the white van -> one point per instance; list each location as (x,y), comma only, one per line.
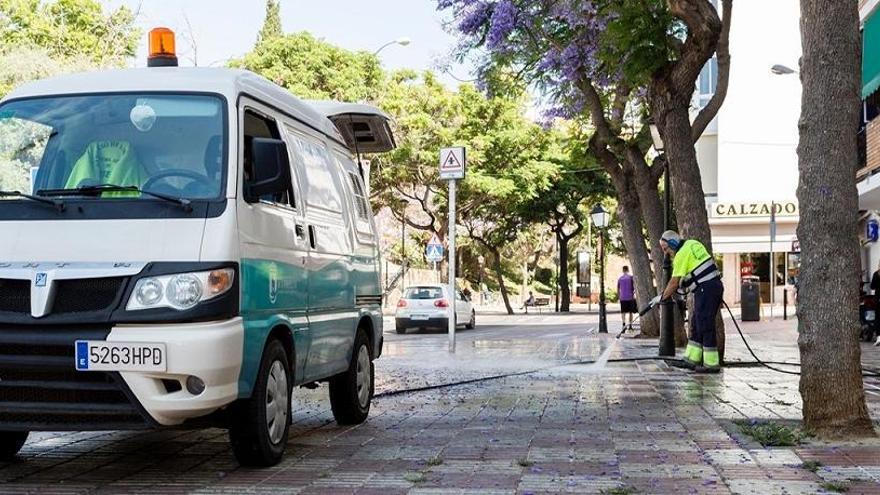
(182,246)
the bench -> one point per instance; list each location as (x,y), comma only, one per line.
(540,303)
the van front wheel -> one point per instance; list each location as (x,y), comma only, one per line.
(10,443)
(351,392)
(260,425)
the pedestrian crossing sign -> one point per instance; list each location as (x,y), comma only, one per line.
(452,161)
(434,249)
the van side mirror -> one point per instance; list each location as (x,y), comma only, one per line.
(271,169)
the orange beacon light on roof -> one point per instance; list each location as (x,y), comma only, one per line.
(162,50)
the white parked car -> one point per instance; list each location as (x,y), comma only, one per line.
(427,306)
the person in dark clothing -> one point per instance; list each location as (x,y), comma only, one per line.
(627,295)
(875,286)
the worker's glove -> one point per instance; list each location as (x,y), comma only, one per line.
(651,304)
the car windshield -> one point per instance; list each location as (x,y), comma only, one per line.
(423,293)
(161,143)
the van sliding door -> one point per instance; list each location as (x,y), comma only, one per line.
(331,312)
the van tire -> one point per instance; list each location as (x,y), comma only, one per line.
(256,439)
(351,392)
(400,330)
(10,443)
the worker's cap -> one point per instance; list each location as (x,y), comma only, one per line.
(671,238)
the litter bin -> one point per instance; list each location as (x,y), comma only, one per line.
(750,299)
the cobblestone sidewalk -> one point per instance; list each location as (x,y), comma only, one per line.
(616,427)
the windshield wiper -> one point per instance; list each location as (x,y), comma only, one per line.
(102,188)
(58,205)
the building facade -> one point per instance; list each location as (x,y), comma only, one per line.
(867,178)
(748,155)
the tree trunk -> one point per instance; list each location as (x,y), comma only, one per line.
(565,290)
(652,209)
(831,381)
(687,187)
(687,184)
(496,265)
(628,211)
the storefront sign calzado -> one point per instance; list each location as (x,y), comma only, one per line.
(739,210)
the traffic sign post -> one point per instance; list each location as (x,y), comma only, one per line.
(452,163)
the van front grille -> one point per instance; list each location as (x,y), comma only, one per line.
(15,296)
(85,294)
(40,388)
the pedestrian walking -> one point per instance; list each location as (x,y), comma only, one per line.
(694,271)
(626,293)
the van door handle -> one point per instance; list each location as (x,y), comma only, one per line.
(312,238)
(300,232)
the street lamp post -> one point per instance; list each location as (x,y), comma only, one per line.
(667,317)
(556,260)
(399,41)
(599,218)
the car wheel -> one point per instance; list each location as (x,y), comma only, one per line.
(400,330)
(261,424)
(473,323)
(10,443)
(351,392)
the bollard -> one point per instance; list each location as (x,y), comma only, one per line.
(784,304)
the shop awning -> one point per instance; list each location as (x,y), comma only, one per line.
(871,55)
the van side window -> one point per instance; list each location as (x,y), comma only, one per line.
(318,178)
(259,126)
(360,199)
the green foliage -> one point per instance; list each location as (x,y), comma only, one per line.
(610,294)
(770,434)
(272,24)
(641,34)
(544,276)
(70,29)
(435,461)
(313,69)
(812,466)
(415,477)
(620,490)
(22,143)
(524,463)
(30,63)
(834,486)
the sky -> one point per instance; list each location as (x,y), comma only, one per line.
(225,29)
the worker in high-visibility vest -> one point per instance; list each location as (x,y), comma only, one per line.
(694,271)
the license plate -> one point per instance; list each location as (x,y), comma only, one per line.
(870,315)
(418,317)
(99,355)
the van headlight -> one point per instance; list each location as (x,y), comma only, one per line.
(180,291)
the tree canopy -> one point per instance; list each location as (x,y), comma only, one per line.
(314,69)
(70,29)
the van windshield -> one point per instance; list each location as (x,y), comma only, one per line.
(161,143)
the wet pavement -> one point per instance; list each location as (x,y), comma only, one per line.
(570,419)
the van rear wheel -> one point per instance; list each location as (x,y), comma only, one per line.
(10,443)
(260,425)
(351,392)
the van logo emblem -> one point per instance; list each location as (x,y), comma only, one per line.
(40,279)
(273,283)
